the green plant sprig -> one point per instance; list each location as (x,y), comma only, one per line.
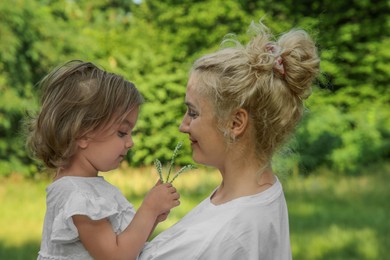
(159,167)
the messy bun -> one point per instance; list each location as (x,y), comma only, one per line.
(292,58)
(300,61)
(270,79)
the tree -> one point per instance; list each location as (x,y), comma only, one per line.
(153,43)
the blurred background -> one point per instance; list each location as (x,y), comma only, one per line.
(335,169)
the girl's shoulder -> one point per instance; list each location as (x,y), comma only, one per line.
(68,184)
(75,181)
(93,197)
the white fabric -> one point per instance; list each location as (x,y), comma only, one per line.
(251,227)
(69,196)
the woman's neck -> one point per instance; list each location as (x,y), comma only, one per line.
(242,179)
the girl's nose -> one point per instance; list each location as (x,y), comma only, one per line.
(129,142)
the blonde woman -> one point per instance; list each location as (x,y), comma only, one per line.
(243,102)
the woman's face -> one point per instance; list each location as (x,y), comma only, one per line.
(207,141)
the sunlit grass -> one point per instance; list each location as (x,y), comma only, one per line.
(331,217)
(343,217)
(22,210)
(337,242)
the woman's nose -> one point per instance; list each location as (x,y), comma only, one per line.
(184,126)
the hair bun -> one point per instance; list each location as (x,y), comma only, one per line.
(300,61)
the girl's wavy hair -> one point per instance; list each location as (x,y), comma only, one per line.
(77,98)
(247,77)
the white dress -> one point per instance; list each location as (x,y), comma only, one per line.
(251,227)
(90,196)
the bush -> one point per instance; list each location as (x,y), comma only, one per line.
(344,140)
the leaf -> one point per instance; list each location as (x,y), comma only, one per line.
(158,165)
(182,170)
(174,155)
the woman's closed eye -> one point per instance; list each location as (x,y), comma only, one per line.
(191,113)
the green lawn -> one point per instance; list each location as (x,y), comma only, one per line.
(340,218)
(330,217)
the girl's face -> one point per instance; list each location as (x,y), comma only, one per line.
(104,150)
(207,141)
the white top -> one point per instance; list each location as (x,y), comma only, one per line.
(90,196)
(250,227)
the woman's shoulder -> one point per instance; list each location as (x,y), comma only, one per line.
(266,206)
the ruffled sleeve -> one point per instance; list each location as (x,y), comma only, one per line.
(119,213)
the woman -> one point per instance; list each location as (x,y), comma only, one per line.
(243,103)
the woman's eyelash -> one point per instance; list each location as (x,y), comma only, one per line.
(192,113)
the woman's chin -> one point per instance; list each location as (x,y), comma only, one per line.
(199,159)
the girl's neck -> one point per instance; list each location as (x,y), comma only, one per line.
(75,171)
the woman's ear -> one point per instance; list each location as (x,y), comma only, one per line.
(239,122)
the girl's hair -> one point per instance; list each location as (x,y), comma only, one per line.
(269,79)
(77,98)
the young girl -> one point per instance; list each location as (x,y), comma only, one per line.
(85,126)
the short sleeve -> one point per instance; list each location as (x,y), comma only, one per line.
(94,207)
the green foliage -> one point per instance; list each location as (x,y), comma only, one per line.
(175,38)
(344,139)
(153,44)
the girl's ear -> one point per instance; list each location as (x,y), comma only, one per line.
(83,142)
(239,122)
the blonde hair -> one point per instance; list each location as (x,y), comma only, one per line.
(247,77)
(77,98)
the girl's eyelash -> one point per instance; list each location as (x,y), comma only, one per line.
(121,134)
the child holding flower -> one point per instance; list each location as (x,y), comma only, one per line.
(85,127)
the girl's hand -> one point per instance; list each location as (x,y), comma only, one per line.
(161,199)
(162,217)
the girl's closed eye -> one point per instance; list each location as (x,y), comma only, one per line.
(122,134)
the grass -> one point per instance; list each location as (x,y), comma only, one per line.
(340,217)
(331,217)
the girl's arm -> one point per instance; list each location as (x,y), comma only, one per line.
(100,240)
